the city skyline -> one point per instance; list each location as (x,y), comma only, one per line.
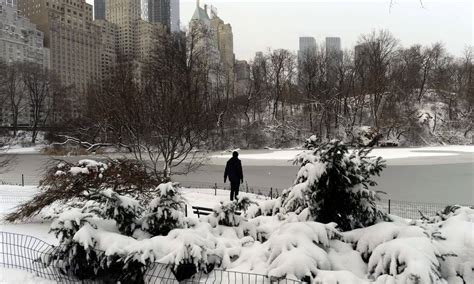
(406,19)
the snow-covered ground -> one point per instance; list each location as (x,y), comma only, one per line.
(22,150)
(16,276)
(12,196)
(386,153)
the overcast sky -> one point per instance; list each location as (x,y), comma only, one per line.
(262,24)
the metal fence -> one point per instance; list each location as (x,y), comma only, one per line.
(412,209)
(20,179)
(27,252)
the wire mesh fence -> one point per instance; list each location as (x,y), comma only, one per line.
(412,209)
(20,179)
(27,253)
(30,254)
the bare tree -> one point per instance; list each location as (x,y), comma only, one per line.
(15,93)
(379,48)
(162,114)
(40,85)
(282,66)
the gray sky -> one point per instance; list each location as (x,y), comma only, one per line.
(262,24)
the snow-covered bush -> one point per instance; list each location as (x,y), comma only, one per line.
(298,250)
(192,253)
(124,210)
(227,213)
(367,239)
(83,260)
(64,181)
(335,185)
(166,212)
(66,225)
(411,260)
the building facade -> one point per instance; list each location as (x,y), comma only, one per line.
(74,41)
(164,12)
(108,53)
(225,40)
(125,14)
(99,9)
(135,33)
(159,11)
(20,40)
(334,57)
(307,43)
(333,44)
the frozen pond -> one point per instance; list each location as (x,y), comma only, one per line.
(436,174)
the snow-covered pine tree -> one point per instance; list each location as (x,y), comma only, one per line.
(166,212)
(123,209)
(334,184)
(80,258)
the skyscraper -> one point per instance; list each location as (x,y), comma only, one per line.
(135,31)
(108,52)
(99,9)
(333,45)
(74,41)
(126,14)
(159,11)
(334,57)
(307,45)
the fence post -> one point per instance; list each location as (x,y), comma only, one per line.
(215,189)
(389,206)
(22,180)
(186,210)
(271,192)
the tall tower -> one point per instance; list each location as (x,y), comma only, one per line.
(334,57)
(307,44)
(99,9)
(159,11)
(333,45)
(125,14)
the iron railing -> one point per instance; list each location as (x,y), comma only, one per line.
(28,253)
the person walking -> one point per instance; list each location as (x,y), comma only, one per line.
(233,171)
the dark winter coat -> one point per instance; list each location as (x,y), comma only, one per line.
(233,171)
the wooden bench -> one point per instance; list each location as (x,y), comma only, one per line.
(205,211)
(202,211)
